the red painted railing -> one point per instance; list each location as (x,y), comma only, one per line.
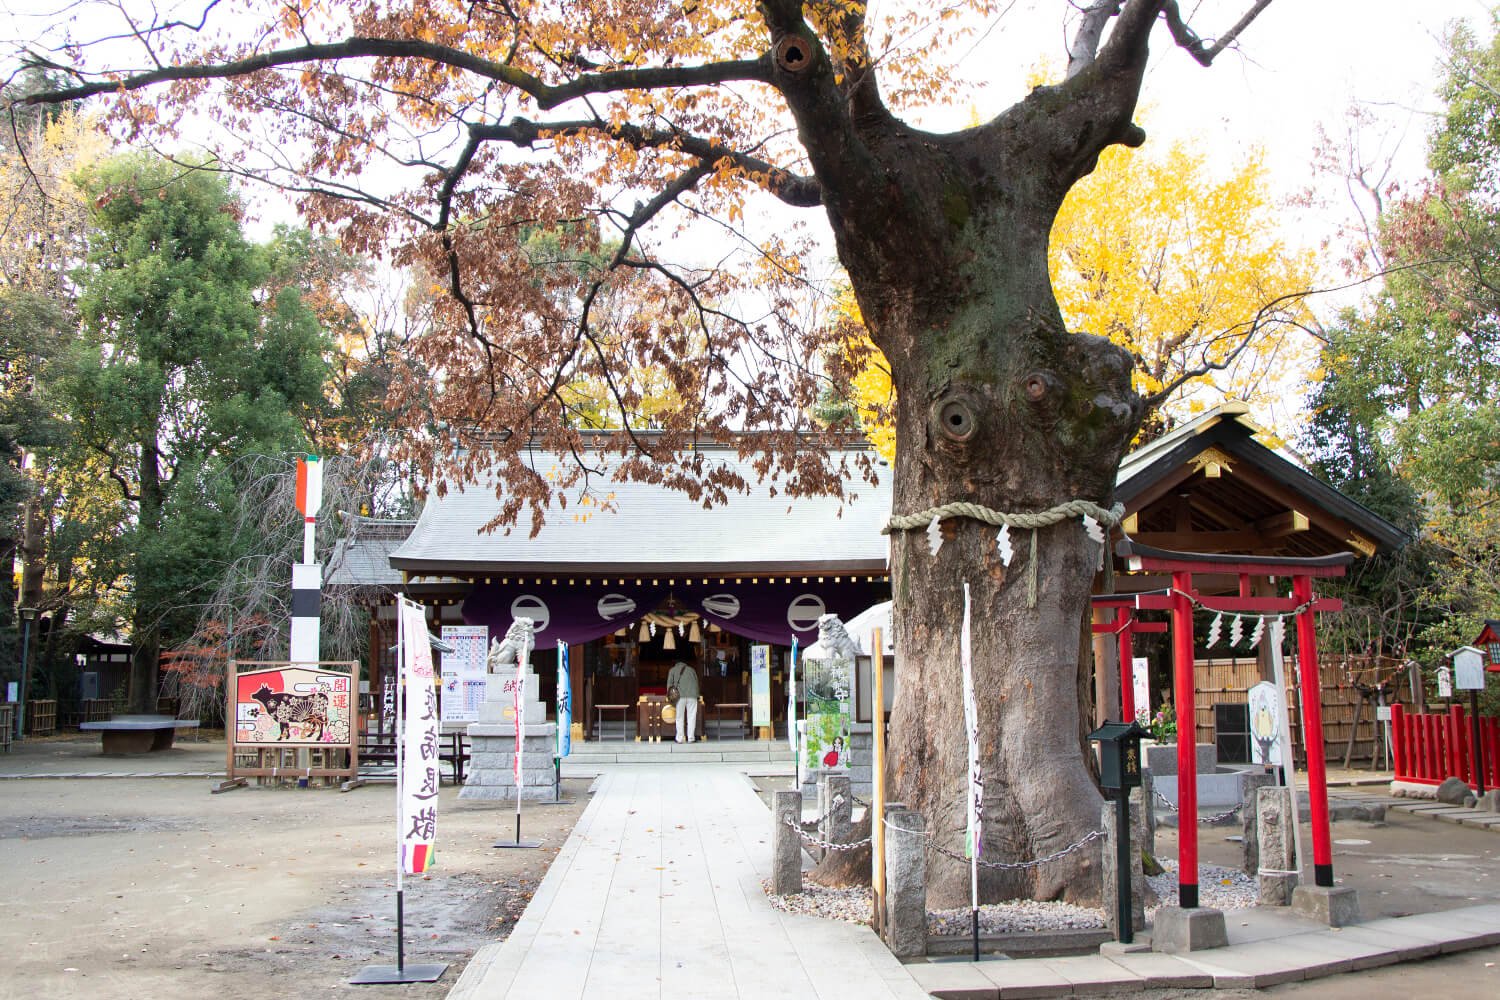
(1430,748)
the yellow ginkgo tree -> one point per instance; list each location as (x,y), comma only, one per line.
(1186,271)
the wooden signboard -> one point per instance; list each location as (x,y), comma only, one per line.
(303,707)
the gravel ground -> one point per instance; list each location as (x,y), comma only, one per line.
(1222,888)
(851,905)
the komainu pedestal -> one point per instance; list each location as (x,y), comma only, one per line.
(492,747)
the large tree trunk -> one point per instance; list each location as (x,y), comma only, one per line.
(1000,406)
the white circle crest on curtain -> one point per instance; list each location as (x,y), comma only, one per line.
(533,607)
(612,606)
(804,611)
(724,606)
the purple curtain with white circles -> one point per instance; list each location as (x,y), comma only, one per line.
(588,609)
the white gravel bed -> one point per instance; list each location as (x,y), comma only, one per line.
(853,906)
(1016,916)
(1219,888)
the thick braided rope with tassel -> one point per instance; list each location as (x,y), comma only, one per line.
(1031,519)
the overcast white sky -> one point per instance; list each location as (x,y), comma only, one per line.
(1302,64)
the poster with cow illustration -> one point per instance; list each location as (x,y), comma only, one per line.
(293,706)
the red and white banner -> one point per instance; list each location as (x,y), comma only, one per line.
(518,704)
(417,767)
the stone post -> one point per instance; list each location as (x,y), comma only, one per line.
(1275,842)
(905,883)
(786,843)
(835,809)
(1109,902)
(1253,781)
(1148,811)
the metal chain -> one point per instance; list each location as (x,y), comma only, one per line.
(1202,820)
(1004,865)
(825,844)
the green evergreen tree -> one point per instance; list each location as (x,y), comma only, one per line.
(182,366)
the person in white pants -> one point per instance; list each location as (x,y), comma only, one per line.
(685,679)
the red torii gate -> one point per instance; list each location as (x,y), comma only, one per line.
(1125,626)
(1180,601)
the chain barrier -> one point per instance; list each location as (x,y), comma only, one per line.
(1202,820)
(827,845)
(1003,865)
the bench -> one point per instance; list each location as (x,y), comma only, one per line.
(379,748)
(135,734)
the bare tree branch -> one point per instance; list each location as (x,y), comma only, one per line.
(546,95)
(1197,47)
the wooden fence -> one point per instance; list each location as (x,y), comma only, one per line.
(41,717)
(1221,682)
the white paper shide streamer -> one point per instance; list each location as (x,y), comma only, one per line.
(975,838)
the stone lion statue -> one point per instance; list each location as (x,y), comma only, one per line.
(835,639)
(514,649)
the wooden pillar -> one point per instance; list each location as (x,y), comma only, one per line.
(1261,586)
(1106,676)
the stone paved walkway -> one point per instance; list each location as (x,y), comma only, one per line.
(658,894)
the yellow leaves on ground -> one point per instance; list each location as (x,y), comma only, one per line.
(1177,266)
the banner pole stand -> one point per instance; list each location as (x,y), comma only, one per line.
(519,707)
(428,972)
(557,799)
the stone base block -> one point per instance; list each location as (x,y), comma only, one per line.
(1276,890)
(498,793)
(1177,930)
(1337,906)
(491,774)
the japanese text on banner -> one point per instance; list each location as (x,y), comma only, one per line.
(419,746)
(564,703)
(975,844)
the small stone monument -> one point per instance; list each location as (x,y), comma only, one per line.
(1274,838)
(493,738)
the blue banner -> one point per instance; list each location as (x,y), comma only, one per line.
(564,703)
(791,700)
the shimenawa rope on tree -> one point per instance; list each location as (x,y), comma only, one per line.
(1030,519)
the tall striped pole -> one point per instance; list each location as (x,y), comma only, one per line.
(307,576)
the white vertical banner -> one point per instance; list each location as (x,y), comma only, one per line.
(975,839)
(417,765)
(1140,673)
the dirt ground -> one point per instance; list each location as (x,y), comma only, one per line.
(152,887)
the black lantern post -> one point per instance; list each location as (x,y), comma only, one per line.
(1120,770)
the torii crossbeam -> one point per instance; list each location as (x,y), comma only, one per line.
(1180,601)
